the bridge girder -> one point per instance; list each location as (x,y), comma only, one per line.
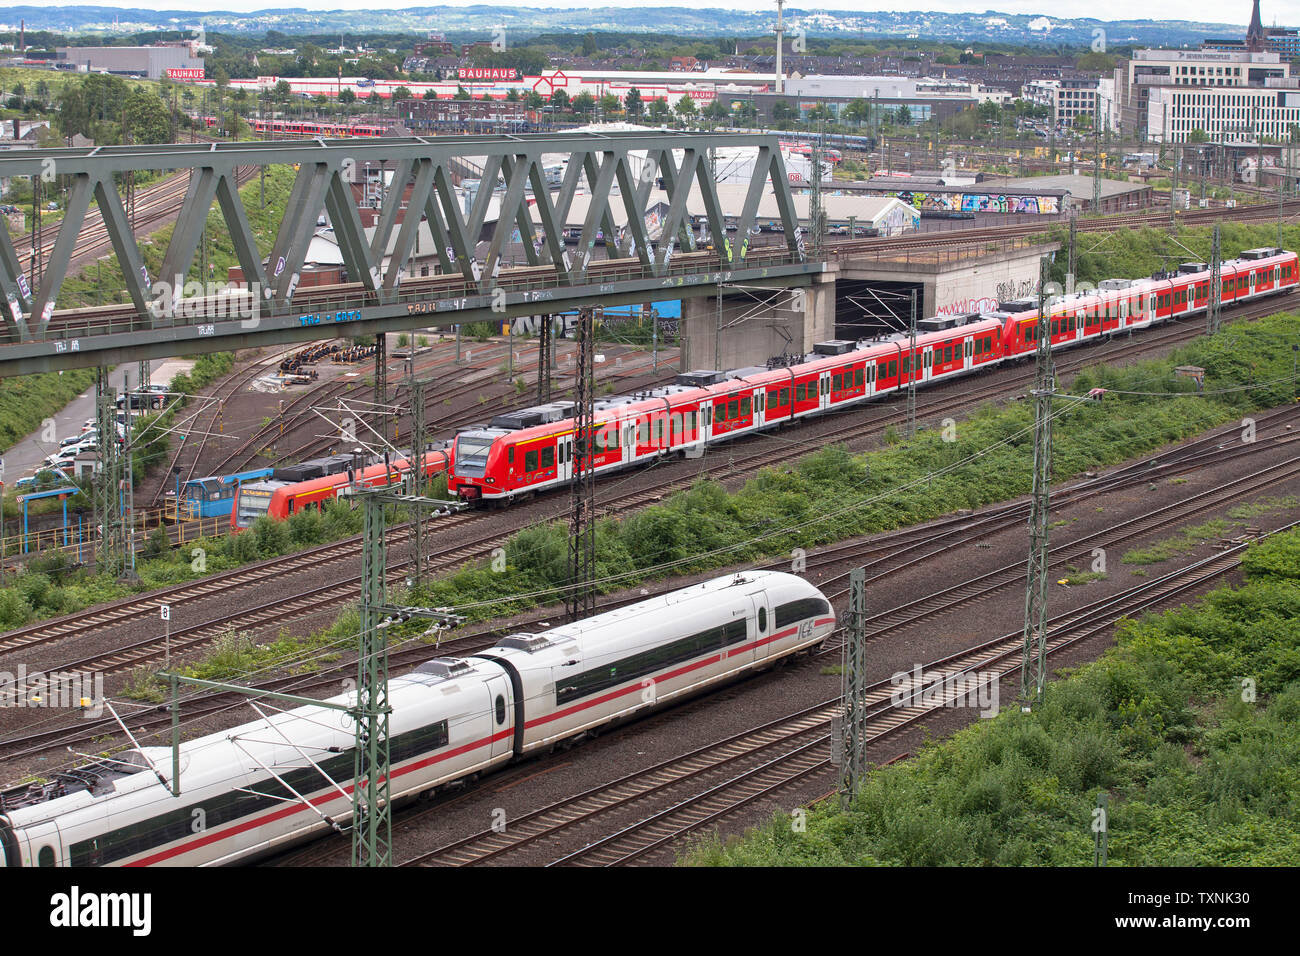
(618,168)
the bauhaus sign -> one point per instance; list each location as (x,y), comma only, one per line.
(179,73)
(487,73)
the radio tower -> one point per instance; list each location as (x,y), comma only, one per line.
(780,42)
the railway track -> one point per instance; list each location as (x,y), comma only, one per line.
(342,590)
(883,555)
(761,763)
(154,207)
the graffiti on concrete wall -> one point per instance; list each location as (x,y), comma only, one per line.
(979,202)
(1012,289)
(982,303)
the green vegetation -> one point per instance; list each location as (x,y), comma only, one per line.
(27,400)
(1187,540)
(1263,506)
(1138,252)
(1191,724)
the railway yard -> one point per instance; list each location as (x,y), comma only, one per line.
(563,545)
(944,594)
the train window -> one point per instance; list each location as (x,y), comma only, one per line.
(785,396)
(510,454)
(501,709)
(548,457)
(657,430)
(988,343)
(45,857)
(800,393)
(643,433)
(893,367)
(857,377)
(979,346)
(947,354)
(812,391)
(795,611)
(733,410)
(907,364)
(762,619)
(744,407)
(837,383)
(530,461)
(690,422)
(720,412)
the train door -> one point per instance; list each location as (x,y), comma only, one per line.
(824,391)
(969,353)
(761,626)
(927,364)
(501,709)
(45,846)
(564,457)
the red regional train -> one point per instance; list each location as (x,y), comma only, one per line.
(281,495)
(532,449)
(292,127)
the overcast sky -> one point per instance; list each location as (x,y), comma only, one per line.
(1283,12)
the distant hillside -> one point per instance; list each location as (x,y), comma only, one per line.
(1034,29)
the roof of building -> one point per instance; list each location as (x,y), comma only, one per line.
(1075,185)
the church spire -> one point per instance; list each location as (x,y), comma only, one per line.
(1255,32)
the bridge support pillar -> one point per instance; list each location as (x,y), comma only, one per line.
(755,325)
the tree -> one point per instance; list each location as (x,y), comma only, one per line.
(589,45)
(462,93)
(584,103)
(1095,62)
(1199,135)
(717,110)
(685,107)
(903,116)
(560,100)
(430,94)
(609,104)
(632,103)
(857,111)
(282,92)
(658,111)
(347,97)
(147,120)
(402,93)
(534,100)
(783,111)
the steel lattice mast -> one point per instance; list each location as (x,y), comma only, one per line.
(372,822)
(108,482)
(582,529)
(544,360)
(910,365)
(853,723)
(1033,671)
(1216,284)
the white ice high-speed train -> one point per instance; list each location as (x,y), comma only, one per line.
(265,784)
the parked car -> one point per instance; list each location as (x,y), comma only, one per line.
(44,478)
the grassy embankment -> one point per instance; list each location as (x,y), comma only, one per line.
(1190,724)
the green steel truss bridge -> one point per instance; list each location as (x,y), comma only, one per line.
(617,171)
